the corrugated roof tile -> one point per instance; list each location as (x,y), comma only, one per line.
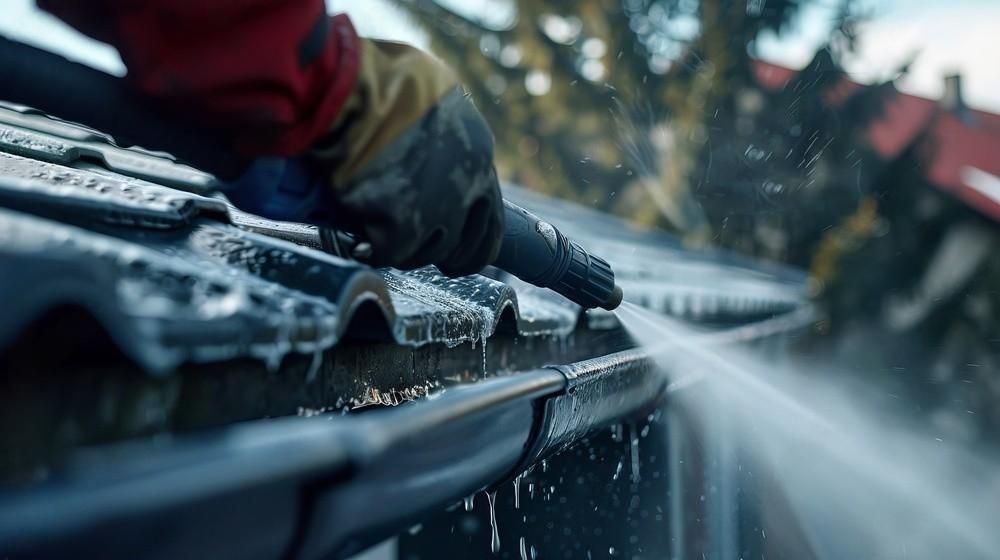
(178,277)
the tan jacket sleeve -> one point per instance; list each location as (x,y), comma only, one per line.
(397,84)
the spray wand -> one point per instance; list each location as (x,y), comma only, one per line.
(532,250)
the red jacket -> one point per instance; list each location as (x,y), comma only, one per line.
(272,73)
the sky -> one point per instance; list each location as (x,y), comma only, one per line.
(947,36)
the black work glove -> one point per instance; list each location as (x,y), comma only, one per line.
(410,161)
(431,196)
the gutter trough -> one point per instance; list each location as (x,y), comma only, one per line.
(325,486)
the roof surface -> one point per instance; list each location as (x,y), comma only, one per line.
(176,276)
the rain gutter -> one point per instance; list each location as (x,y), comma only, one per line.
(318,487)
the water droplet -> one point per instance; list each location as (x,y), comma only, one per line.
(517,492)
(491,497)
(524,552)
(634,448)
(470,502)
(484,356)
(616,433)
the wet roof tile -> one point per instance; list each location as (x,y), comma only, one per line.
(32,134)
(37,185)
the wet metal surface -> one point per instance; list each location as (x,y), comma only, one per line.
(190,286)
(182,280)
(237,325)
(165,309)
(204,492)
(45,187)
(213,292)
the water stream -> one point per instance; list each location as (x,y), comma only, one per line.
(863,481)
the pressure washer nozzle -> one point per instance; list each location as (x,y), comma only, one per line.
(614,300)
(538,253)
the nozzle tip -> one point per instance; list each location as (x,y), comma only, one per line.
(614,299)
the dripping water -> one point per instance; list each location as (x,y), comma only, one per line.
(494,533)
(517,491)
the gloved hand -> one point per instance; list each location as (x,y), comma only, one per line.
(411,165)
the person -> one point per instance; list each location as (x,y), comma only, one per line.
(405,156)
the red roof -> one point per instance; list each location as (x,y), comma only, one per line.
(956,144)
(771,76)
(903,118)
(958,147)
